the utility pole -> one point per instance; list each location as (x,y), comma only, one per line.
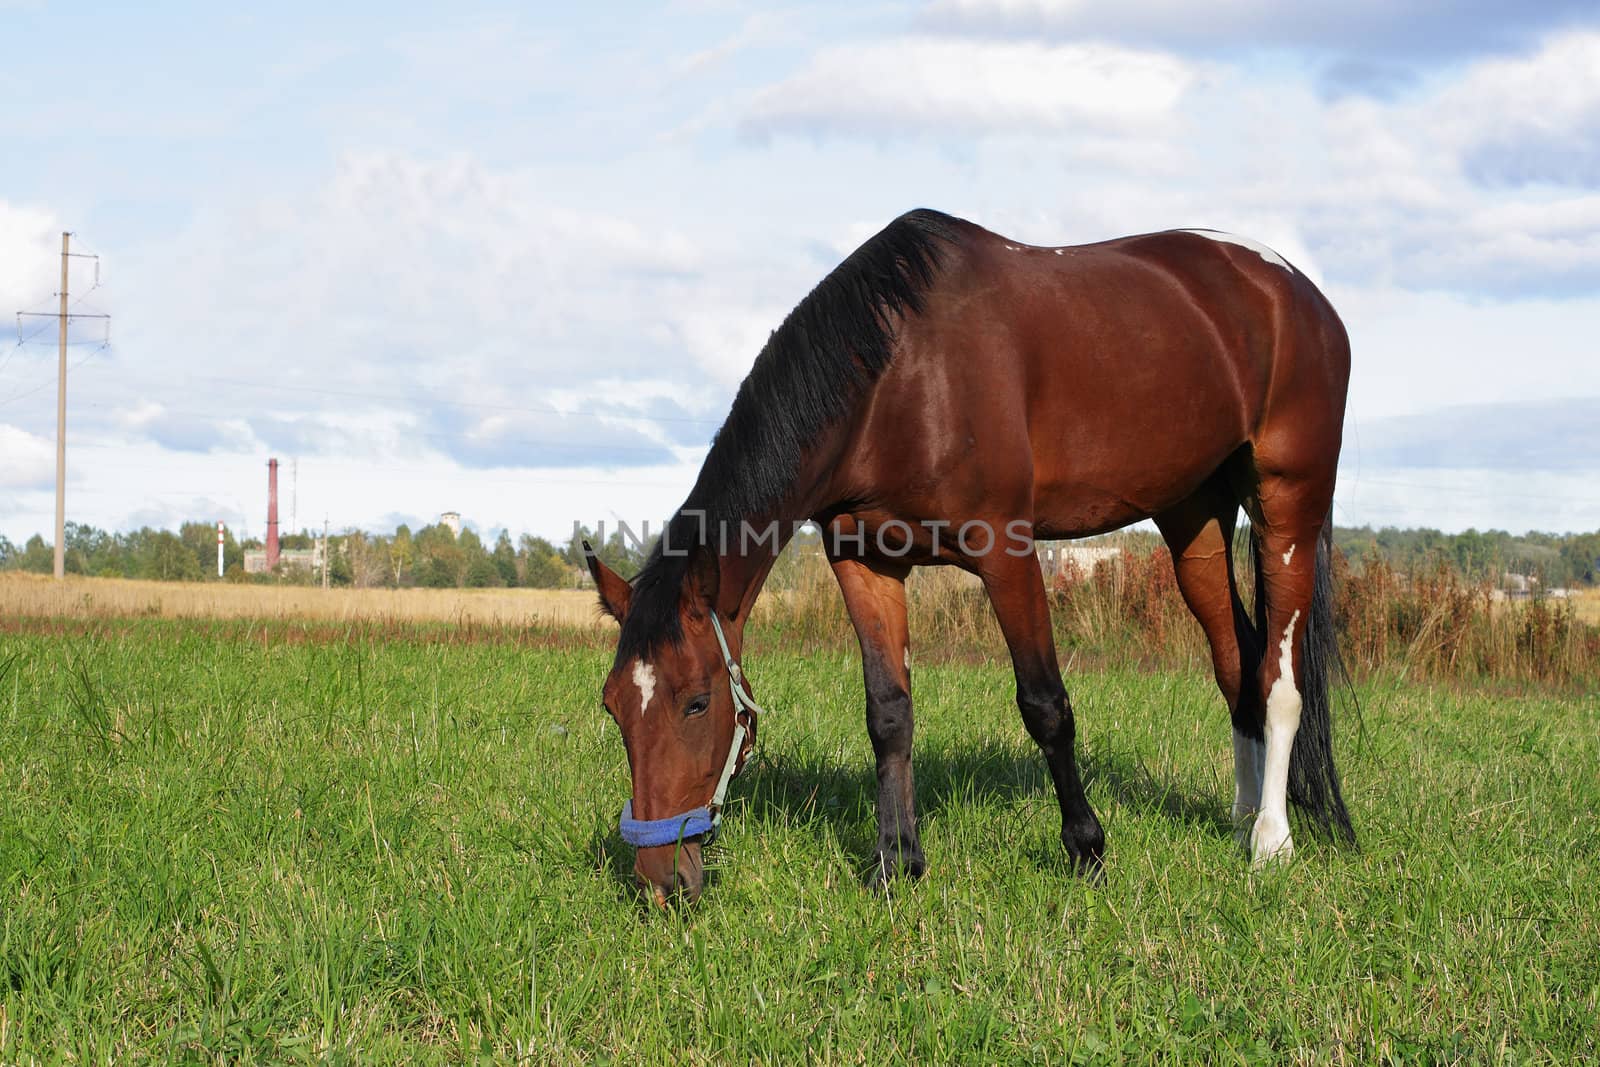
(61,420)
(64,316)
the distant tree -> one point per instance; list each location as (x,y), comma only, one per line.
(505,559)
(8,552)
(483,574)
(92,551)
(367,559)
(37,556)
(161,555)
(401,554)
(341,571)
(1581,552)
(441,560)
(201,537)
(542,566)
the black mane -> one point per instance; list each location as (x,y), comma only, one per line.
(810,374)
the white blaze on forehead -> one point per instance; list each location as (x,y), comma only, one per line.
(644,676)
(1287,556)
(1244,242)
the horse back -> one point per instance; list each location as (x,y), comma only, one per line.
(1090,386)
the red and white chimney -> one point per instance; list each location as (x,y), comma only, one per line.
(219,548)
(272,514)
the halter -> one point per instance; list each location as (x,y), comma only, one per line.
(646,833)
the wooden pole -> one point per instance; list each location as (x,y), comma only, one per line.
(61,421)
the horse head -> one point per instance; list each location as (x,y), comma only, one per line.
(676,692)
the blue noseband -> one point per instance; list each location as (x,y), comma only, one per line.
(648,833)
(652,833)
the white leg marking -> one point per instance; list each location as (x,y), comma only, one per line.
(1287,556)
(1244,242)
(1269,838)
(644,676)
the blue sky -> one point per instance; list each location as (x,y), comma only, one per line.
(514,260)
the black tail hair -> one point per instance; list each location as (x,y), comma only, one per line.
(1313,778)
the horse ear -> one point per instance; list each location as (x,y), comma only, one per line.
(615,593)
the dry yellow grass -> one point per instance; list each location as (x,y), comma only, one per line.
(33,595)
(1587,606)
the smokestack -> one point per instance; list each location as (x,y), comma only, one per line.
(272,514)
(219,548)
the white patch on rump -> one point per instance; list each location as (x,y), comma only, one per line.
(1287,556)
(644,676)
(1243,242)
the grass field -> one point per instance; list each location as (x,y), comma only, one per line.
(258,843)
(91,598)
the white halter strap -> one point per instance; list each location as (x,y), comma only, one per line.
(743,707)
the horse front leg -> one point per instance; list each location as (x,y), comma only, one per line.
(1016,590)
(875,596)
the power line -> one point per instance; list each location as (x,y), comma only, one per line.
(46,384)
(55,316)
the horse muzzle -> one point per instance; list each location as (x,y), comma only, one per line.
(668,872)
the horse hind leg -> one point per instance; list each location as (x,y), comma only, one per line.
(1199,533)
(1292,515)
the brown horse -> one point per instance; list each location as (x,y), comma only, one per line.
(945,396)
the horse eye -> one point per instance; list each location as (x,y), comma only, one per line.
(697,706)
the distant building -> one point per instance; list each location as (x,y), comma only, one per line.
(1083,559)
(452,519)
(255,559)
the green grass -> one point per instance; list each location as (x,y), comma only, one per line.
(224,843)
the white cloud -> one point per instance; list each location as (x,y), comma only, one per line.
(30,261)
(1529,119)
(921,84)
(1398,190)
(26,460)
(428,289)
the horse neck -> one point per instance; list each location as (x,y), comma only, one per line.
(743,564)
(743,569)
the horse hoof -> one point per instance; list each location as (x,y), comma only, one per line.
(1270,841)
(897,863)
(1086,846)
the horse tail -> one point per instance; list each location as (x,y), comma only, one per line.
(1313,778)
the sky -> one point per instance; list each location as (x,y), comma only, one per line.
(514,260)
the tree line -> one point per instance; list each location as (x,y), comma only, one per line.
(1556,560)
(436,557)
(430,557)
